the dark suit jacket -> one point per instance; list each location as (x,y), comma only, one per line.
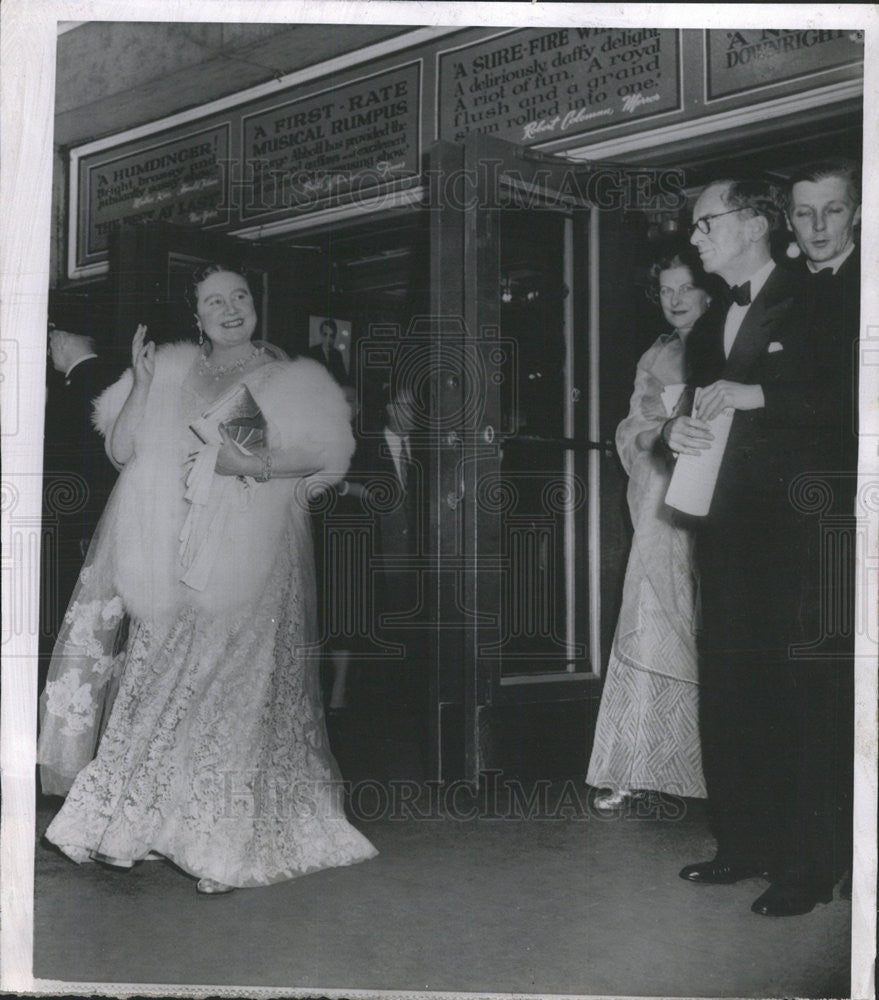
(841,292)
(833,307)
(72,445)
(77,480)
(394,515)
(773,349)
(396,510)
(334,364)
(758,587)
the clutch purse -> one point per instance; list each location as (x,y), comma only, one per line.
(241,417)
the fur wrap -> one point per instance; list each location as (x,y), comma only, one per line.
(139,534)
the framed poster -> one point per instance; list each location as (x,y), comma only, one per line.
(533,87)
(745,59)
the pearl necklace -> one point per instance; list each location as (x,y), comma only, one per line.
(218,371)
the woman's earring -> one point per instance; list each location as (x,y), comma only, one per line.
(200,336)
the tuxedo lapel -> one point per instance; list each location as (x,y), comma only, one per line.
(703,351)
(772,302)
(81,375)
(850,268)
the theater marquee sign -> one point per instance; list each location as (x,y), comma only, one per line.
(337,134)
(532,86)
(254,162)
(340,141)
(180,181)
(745,60)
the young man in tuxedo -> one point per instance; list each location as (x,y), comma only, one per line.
(824,211)
(752,352)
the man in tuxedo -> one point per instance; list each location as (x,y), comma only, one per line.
(824,211)
(328,354)
(388,479)
(77,475)
(385,474)
(399,526)
(753,353)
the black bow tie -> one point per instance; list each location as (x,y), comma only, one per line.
(741,294)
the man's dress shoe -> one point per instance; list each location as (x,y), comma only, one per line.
(789,901)
(720,872)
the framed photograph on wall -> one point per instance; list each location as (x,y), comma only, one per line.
(329,333)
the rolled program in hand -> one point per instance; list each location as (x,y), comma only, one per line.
(695,476)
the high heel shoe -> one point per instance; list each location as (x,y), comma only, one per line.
(211,887)
(105,859)
(607,801)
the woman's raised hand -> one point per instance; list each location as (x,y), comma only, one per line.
(143,357)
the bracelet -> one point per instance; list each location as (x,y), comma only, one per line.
(266,473)
(664,439)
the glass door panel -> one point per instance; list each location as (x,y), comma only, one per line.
(515,506)
(542,471)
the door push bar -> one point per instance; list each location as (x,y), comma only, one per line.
(490,436)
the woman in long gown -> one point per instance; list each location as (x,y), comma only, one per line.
(646,734)
(214,753)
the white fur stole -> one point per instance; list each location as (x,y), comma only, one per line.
(301,403)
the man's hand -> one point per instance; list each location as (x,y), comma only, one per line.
(687,435)
(721,395)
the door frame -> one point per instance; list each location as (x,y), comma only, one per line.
(465,265)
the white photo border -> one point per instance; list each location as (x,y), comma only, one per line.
(27,79)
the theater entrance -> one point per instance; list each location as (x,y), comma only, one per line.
(487,291)
(484,301)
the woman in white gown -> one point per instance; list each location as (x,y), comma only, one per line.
(214,753)
(647,731)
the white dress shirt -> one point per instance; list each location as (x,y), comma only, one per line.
(736,315)
(398,446)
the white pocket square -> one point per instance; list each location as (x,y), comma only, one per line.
(774,346)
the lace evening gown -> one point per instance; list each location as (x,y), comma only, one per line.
(215,754)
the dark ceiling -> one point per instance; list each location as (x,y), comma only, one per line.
(114,75)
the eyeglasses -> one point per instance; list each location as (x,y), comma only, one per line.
(703,224)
